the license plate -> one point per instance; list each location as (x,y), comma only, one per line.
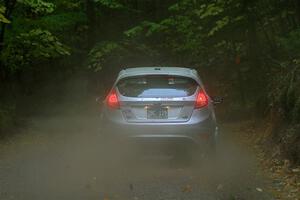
(157,113)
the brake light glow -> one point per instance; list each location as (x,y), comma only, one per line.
(201,100)
(112,100)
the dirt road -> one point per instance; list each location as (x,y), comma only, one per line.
(62,155)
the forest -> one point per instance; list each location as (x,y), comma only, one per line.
(247,51)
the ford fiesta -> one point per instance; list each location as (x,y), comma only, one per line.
(161,105)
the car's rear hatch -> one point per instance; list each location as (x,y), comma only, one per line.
(157,98)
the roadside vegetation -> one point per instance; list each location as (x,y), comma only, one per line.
(247,51)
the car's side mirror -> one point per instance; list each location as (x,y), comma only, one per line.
(217,100)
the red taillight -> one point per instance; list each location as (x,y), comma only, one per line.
(112,100)
(201,100)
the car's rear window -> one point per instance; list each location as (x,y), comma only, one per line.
(157,86)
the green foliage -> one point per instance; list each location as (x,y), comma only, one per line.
(3,19)
(61,21)
(108,52)
(102,52)
(134,32)
(36,45)
(212,9)
(145,28)
(195,28)
(219,25)
(38,7)
(29,39)
(291,42)
(114,4)
(69,5)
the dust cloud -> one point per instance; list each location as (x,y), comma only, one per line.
(66,154)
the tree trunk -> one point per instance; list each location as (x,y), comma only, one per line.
(9,5)
(91,15)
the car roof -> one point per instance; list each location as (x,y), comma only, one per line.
(179,71)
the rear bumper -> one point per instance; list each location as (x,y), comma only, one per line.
(193,133)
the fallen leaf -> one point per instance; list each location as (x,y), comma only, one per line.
(187,188)
(106,198)
(296,170)
(294,190)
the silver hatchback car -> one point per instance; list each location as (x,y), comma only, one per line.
(161,105)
